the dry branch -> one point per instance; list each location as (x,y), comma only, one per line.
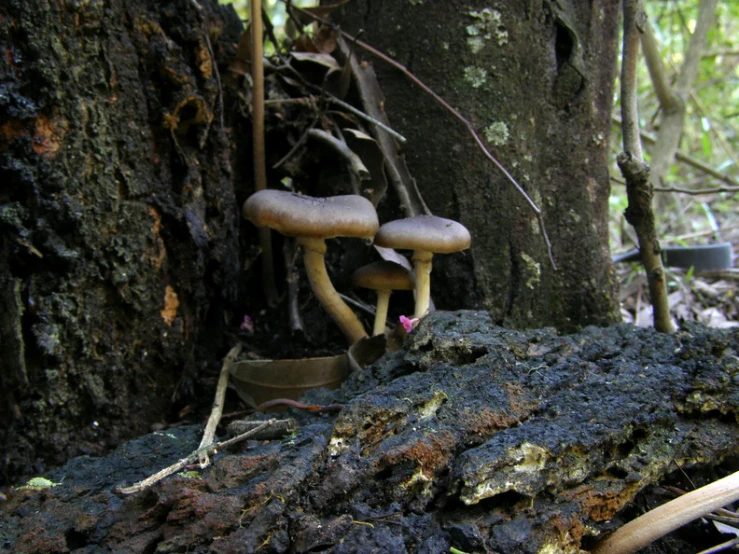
(636,173)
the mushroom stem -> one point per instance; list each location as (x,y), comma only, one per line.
(315,268)
(383,300)
(422,267)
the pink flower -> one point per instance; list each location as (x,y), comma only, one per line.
(408,324)
(247,324)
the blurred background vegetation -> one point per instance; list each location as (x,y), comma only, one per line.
(709,133)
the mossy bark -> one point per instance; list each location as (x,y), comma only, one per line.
(535,79)
(118,218)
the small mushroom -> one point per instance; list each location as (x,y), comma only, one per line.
(311,221)
(383,277)
(426,235)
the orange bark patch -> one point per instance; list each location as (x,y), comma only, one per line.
(431,452)
(10,131)
(171,303)
(483,422)
(158,261)
(570,531)
(519,400)
(47,138)
(600,505)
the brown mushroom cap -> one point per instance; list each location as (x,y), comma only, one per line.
(383,275)
(424,232)
(296,215)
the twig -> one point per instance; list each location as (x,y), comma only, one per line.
(454,112)
(695,192)
(302,140)
(190,459)
(728,545)
(278,430)
(689,160)
(348,107)
(355,163)
(260,169)
(287,402)
(217,410)
(658,522)
(636,173)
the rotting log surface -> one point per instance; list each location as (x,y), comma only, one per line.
(473,436)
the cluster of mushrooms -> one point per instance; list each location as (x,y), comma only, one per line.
(313,220)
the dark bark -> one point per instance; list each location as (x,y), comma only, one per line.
(119,247)
(472,436)
(538,76)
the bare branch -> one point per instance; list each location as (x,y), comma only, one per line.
(636,173)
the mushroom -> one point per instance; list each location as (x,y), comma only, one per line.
(383,277)
(311,221)
(426,235)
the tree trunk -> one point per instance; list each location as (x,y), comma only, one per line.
(535,79)
(119,245)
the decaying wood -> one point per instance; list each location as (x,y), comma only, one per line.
(471,437)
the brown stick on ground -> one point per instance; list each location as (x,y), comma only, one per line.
(636,173)
(217,411)
(192,458)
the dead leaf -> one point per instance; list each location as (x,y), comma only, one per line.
(366,351)
(241,64)
(369,152)
(392,256)
(258,381)
(323,59)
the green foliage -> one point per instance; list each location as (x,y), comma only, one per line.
(710,133)
(275,10)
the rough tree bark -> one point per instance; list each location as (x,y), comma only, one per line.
(119,222)
(535,79)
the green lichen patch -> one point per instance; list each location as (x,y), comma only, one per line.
(476,76)
(497,133)
(533,271)
(38,483)
(488,25)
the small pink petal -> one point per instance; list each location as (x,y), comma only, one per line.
(408,324)
(247,324)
